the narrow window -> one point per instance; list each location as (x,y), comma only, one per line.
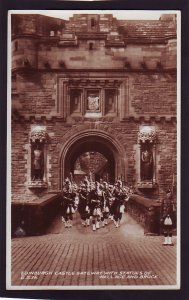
(110,100)
(90,46)
(93,23)
(75,101)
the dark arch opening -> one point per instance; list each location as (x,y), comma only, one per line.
(94,165)
(91,144)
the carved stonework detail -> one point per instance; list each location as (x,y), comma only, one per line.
(93,103)
(38,133)
(147,133)
(37,184)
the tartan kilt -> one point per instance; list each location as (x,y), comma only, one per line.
(96,212)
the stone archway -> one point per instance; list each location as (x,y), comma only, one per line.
(93,140)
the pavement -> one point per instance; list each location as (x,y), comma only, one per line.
(77,257)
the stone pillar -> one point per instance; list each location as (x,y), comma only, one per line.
(139,165)
(154,162)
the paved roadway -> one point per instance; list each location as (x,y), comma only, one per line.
(78,256)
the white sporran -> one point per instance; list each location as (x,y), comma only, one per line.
(72,210)
(122,209)
(107,209)
(168,221)
(98,211)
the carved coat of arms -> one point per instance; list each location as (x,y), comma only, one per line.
(93,103)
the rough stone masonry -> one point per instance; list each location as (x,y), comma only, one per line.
(59,67)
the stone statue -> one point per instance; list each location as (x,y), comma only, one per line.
(146,165)
(38,164)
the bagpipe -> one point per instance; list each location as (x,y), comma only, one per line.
(83,197)
(69,202)
(86,203)
(68,198)
(121,194)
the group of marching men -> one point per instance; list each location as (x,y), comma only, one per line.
(95,201)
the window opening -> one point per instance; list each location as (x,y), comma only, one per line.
(90,46)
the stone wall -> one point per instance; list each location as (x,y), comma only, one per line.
(152,94)
(125,132)
(49,55)
(148,94)
(148,67)
(36,93)
(45,42)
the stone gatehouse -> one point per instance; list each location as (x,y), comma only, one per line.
(93,85)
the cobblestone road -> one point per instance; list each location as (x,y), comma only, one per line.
(80,257)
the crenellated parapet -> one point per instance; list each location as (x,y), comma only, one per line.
(44,43)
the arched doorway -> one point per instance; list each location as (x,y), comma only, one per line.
(93,141)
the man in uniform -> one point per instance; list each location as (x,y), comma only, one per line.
(95,206)
(83,206)
(168,207)
(118,205)
(68,203)
(107,196)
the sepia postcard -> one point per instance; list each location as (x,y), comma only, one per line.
(93,139)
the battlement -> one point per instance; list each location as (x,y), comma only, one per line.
(142,30)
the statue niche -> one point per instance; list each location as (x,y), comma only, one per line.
(38,139)
(147,157)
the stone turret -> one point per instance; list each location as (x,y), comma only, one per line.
(26,33)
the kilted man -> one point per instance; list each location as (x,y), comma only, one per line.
(107,202)
(68,203)
(96,203)
(118,207)
(111,201)
(83,206)
(168,219)
(103,206)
